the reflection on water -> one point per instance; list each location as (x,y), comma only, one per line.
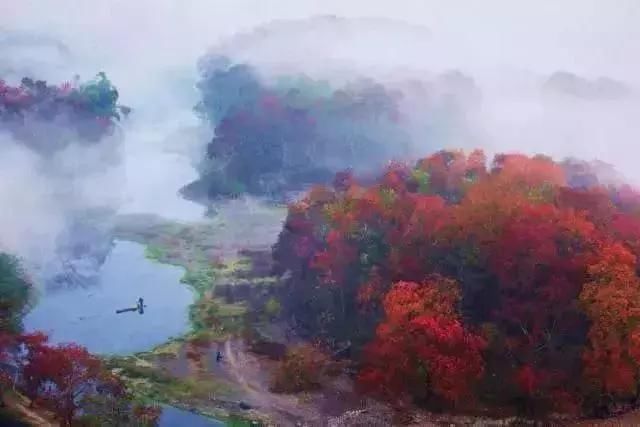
(87,316)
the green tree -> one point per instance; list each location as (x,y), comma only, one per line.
(14,293)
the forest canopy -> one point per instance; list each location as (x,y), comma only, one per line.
(460,284)
(275,134)
(41,115)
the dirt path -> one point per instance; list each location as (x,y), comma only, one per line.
(20,404)
(286,410)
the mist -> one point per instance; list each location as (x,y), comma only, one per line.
(149,49)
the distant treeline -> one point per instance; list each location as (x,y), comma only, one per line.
(281,132)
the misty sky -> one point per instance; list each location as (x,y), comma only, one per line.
(149,49)
(590,37)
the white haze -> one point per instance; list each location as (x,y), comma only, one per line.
(149,49)
(40,196)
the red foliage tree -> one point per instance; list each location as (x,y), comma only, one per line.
(422,348)
(431,254)
(301,369)
(58,377)
(611,299)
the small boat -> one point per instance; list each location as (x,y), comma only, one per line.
(139,307)
(124,310)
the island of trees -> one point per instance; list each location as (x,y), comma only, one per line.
(47,117)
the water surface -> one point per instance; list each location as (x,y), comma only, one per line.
(174,417)
(87,316)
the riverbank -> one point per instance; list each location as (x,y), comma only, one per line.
(184,372)
(236,294)
(79,313)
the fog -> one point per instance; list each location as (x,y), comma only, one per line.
(149,50)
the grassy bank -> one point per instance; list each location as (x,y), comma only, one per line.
(195,247)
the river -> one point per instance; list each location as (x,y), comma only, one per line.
(87,315)
(174,417)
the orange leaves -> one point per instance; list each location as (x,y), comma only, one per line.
(436,296)
(395,177)
(319,195)
(615,265)
(552,269)
(540,236)
(451,171)
(594,202)
(451,355)
(532,171)
(430,356)
(428,215)
(611,299)
(422,343)
(626,228)
(301,370)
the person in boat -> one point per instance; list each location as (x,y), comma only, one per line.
(139,307)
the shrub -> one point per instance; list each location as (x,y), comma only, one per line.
(301,369)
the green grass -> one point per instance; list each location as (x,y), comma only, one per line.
(239,265)
(132,367)
(216,318)
(233,421)
(201,279)
(153,252)
(188,246)
(149,382)
(231,310)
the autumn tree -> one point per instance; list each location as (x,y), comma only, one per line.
(513,284)
(422,348)
(89,110)
(611,299)
(73,384)
(58,376)
(302,369)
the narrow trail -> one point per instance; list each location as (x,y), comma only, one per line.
(20,405)
(287,410)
